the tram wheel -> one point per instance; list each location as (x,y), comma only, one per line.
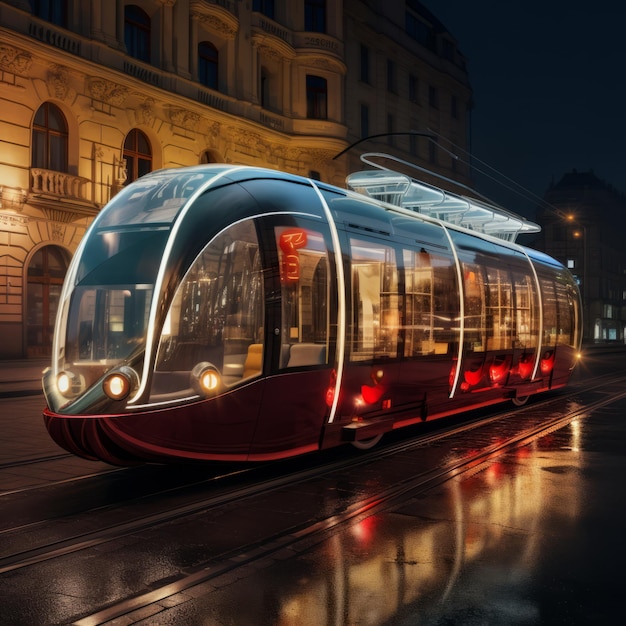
(367,444)
(520,400)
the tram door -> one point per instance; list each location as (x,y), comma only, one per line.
(372,329)
(301,316)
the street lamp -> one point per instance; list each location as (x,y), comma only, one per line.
(581,234)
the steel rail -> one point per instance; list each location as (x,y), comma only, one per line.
(381,501)
(75,543)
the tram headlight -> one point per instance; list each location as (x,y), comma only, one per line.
(205,379)
(69,384)
(118,384)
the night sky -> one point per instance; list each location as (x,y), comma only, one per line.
(549,83)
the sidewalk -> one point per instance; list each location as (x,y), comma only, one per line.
(21,377)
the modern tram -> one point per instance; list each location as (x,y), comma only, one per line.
(222,312)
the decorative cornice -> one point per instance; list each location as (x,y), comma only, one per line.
(324,63)
(215,18)
(267,52)
(272,47)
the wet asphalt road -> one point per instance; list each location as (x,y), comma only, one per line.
(532,537)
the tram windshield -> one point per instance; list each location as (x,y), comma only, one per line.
(107,313)
(109,291)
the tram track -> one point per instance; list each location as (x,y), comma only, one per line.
(61,546)
(136,523)
(317,531)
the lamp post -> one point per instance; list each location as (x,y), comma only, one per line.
(581,234)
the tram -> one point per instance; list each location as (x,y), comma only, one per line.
(244,314)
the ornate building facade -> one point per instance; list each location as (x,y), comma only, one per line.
(583,228)
(94,94)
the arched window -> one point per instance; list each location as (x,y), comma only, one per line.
(137,32)
(49,139)
(138,155)
(316,97)
(46,271)
(208,58)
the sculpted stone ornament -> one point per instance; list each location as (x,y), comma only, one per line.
(59,81)
(107,91)
(184,118)
(145,113)
(15,60)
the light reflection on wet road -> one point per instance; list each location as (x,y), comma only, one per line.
(533,537)
(525,540)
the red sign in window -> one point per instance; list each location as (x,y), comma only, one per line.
(290,242)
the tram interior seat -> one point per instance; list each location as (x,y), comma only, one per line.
(430,346)
(254,360)
(307,354)
(233,367)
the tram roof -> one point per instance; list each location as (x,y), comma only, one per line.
(403,191)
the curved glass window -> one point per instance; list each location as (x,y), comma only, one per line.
(155,199)
(526,312)
(106,316)
(216,320)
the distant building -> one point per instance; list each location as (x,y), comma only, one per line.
(94,94)
(585,231)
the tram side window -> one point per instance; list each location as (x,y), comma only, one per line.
(446,305)
(550,314)
(475,307)
(217,315)
(566,333)
(526,313)
(500,317)
(431,303)
(304,271)
(375,301)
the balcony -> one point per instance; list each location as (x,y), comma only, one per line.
(59,195)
